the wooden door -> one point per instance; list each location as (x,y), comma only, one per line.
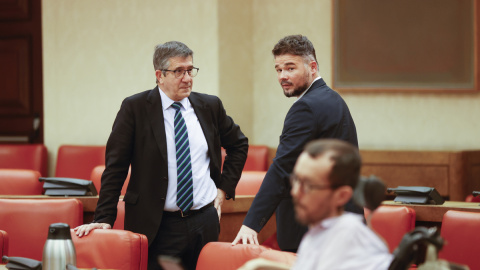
(21,85)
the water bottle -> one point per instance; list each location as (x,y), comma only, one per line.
(58,250)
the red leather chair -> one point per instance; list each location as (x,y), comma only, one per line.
(285,257)
(392,223)
(111,249)
(96,178)
(27,222)
(222,255)
(20,182)
(460,231)
(250,182)
(471,198)
(257,158)
(24,156)
(3,243)
(78,161)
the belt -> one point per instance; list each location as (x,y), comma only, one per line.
(182,214)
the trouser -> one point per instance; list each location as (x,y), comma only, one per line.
(184,237)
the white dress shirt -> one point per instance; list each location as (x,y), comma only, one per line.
(204,189)
(342,243)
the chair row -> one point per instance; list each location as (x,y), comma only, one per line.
(24,227)
(459,230)
(75,161)
(25,182)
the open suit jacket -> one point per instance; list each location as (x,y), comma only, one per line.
(320,113)
(138,140)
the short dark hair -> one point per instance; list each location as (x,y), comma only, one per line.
(296,45)
(163,53)
(346,158)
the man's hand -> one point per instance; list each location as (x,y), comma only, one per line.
(246,236)
(86,228)
(219,202)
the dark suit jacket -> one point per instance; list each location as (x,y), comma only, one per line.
(320,113)
(138,139)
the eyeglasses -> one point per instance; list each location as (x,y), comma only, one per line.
(179,73)
(305,186)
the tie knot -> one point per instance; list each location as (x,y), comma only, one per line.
(177,106)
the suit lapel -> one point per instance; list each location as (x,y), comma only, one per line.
(155,114)
(202,110)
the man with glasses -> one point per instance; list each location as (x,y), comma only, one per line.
(172,138)
(318,112)
(323,181)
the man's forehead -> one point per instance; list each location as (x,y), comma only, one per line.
(314,165)
(179,62)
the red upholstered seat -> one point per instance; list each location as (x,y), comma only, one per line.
(3,243)
(24,156)
(20,182)
(460,231)
(285,257)
(96,177)
(78,161)
(392,223)
(250,182)
(222,255)
(257,158)
(111,249)
(471,198)
(27,222)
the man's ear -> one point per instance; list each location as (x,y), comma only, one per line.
(313,67)
(342,195)
(158,75)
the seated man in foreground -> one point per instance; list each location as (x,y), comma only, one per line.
(323,181)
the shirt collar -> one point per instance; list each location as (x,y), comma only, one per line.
(167,102)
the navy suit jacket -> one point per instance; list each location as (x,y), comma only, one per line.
(138,140)
(320,113)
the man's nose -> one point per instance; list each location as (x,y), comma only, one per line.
(283,75)
(186,77)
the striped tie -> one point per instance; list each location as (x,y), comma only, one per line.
(184,166)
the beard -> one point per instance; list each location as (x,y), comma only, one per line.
(296,92)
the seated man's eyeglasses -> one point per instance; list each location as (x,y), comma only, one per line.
(305,186)
(179,73)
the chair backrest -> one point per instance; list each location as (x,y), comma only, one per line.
(3,243)
(96,178)
(257,158)
(27,222)
(78,161)
(20,182)
(285,257)
(250,182)
(222,255)
(111,249)
(120,220)
(392,223)
(471,198)
(460,230)
(24,156)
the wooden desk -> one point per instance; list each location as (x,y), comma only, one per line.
(454,174)
(432,215)
(233,213)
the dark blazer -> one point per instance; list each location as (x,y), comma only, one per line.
(138,140)
(320,113)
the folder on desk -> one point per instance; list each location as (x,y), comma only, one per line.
(416,195)
(61,186)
